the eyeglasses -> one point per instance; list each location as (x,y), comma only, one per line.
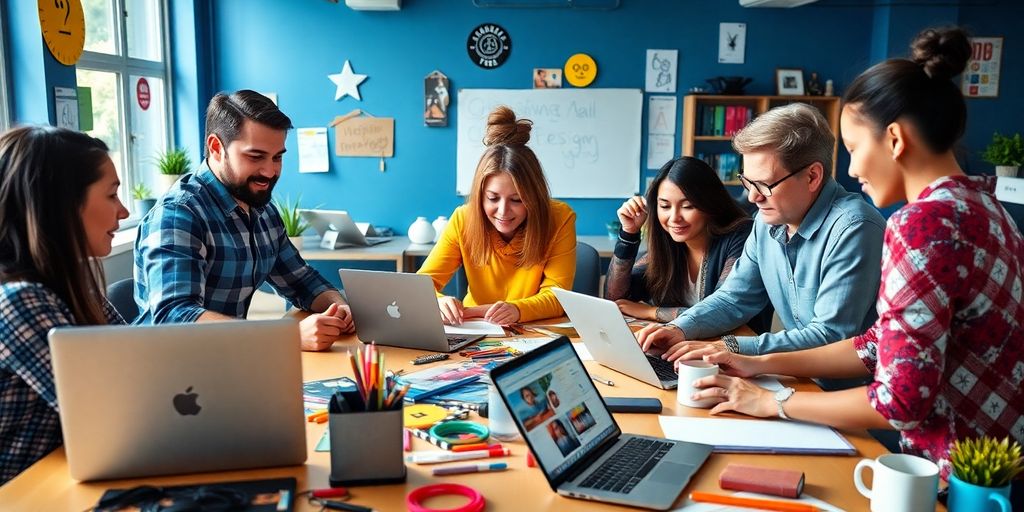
(763,188)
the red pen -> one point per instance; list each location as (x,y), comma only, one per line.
(474,447)
(406,440)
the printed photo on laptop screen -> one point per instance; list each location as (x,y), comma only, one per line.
(554,401)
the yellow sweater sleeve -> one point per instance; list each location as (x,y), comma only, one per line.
(559,269)
(446,256)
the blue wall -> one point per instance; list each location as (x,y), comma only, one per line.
(290,49)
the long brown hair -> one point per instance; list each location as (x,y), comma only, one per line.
(665,276)
(44,176)
(506,152)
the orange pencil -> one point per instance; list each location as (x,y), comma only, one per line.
(722,499)
(474,446)
(322,419)
(312,417)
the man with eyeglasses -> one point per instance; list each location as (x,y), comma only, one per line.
(814,252)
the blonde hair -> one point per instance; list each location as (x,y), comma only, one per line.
(506,152)
(797,134)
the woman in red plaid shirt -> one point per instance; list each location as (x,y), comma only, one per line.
(947,351)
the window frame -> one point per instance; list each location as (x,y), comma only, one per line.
(5,98)
(125,67)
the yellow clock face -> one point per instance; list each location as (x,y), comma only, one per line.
(63,25)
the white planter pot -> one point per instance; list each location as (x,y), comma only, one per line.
(169,180)
(1006,170)
(439,224)
(296,241)
(421,232)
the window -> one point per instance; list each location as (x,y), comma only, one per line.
(5,114)
(125,69)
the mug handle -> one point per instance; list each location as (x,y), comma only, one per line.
(1004,504)
(858,471)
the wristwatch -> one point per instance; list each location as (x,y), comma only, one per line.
(731,344)
(780,398)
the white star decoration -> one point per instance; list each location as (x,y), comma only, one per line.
(347,82)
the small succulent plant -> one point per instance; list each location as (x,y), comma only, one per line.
(986,461)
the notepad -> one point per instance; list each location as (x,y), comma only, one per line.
(475,328)
(756,436)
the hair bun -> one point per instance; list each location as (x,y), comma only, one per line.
(942,52)
(504,128)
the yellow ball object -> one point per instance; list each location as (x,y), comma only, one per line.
(63,26)
(580,70)
(423,415)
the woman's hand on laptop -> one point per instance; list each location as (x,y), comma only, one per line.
(452,310)
(684,349)
(637,310)
(659,336)
(319,331)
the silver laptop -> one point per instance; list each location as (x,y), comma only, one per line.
(577,442)
(154,400)
(611,342)
(349,234)
(398,309)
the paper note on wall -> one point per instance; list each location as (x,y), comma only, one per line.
(661,115)
(313,151)
(365,136)
(660,149)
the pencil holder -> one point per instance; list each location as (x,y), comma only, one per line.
(366,446)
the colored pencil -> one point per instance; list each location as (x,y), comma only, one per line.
(722,499)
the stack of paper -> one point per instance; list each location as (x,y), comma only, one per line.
(756,436)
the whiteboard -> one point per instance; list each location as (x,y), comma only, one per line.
(587,140)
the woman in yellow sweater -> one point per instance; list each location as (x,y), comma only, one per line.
(515,242)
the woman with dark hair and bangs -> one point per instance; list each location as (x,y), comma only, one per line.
(946,351)
(59,208)
(693,241)
(514,241)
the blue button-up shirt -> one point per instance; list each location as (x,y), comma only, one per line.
(198,251)
(823,281)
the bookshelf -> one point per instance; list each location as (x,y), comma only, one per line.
(697,140)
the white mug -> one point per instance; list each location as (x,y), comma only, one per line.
(901,483)
(690,371)
(499,419)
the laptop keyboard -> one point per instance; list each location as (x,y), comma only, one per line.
(665,369)
(627,466)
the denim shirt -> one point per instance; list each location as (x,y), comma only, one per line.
(823,281)
(198,251)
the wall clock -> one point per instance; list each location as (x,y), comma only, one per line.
(63,25)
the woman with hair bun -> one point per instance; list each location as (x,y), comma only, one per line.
(514,240)
(946,351)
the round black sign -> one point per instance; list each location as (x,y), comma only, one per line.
(489,46)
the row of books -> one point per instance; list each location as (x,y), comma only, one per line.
(719,120)
(726,165)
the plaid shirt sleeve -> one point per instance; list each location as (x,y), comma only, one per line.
(919,278)
(170,252)
(291,276)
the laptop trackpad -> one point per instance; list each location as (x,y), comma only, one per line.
(670,472)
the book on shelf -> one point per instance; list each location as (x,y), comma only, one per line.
(726,165)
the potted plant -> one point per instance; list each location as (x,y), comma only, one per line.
(982,471)
(294,223)
(172,164)
(1006,153)
(144,200)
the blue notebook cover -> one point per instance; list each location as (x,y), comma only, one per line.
(439,379)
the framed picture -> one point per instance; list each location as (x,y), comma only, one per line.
(789,82)
(981,77)
(547,78)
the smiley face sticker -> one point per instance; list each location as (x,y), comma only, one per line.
(580,70)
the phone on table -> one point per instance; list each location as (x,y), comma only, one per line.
(630,404)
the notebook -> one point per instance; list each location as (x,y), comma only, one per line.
(576,441)
(757,436)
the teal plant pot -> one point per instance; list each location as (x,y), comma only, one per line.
(965,497)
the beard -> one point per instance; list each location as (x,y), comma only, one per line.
(241,189)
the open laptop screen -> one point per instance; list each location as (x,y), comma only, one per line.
(553,400)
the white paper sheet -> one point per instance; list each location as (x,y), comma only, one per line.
(661,70)
(732,42)
(526,344)
(660,149)
(755,435)
(475,327)
(661,115)
(690,506)
(313,151)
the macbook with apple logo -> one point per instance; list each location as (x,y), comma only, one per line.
(399,309)
(163,399)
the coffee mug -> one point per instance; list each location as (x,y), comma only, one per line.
(964,497)
(690,371)
(901,483)
(499,419)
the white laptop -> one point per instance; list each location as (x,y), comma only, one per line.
(577,442)
(400,310)
(337,230)
(163,399)
(611,342)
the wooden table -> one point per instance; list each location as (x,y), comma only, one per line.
(47,485)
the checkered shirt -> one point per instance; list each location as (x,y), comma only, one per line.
(198,251)
(29,424)
(947,350)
